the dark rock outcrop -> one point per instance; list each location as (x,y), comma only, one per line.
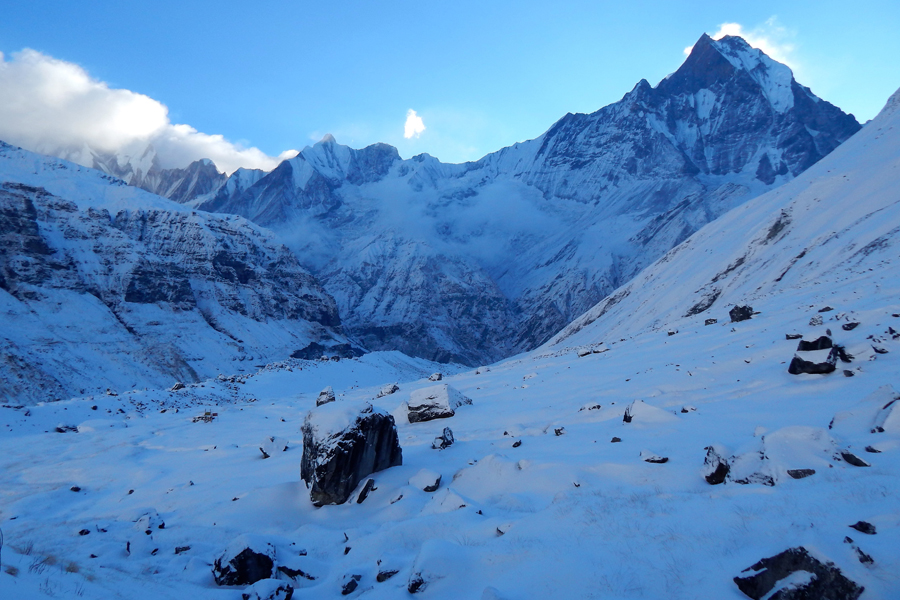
(822,343)
(245,561)
(800,473)
(827,582)
(715,466)
(444,440)
(740,313)
(268,589)
(799,365)
(341,446)
(435,402)
(864,527)
(349,584)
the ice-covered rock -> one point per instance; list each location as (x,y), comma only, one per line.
(435,377)
(342,444)
(426,480)
(245,561)
(715,465)
(387,390)
(444,440)
(435,402)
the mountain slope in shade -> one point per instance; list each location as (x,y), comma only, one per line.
(833,230)
(476,261)
(105,286)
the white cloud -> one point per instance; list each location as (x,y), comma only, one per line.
(413,126)
(770,37)
(53,106)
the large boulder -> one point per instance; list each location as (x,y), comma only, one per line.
(813,579)
(245,561)
(822,343)
(342,445)
(435,402)
(740,313)
(268,589)
(816,366)
(325,396)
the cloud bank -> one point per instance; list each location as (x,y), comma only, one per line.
(414,125)
(770,37)
(55,107)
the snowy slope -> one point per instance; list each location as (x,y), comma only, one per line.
(546,492)
(105,286)
(474,262)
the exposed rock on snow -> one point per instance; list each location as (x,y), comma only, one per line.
(444,440)
(268,589)
(853,459)
(715,466)
(247,559)
(822,343)
(426,480)
(812,367)
(650,457)
(740,313)
(325,396)
(435,402)
(864,527)
(388,389)
(368,488)
(800,473)
(816,579)
(435,377)
(273,445)
(876,413)
(646,413)
(349,584)
(342,445)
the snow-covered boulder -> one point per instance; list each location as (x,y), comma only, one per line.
(797,575)
(342,444)
(641,412)
(387,390)
(435,377)
(268,589)
(325,396)
(817,362)
(715,465)
(435,402)
(444,440)
(245,561)
(426,480)
(272,445)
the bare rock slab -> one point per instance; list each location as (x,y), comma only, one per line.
(435,402)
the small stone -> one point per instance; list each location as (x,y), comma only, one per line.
(825,309)
(615,440)
(849,326)
(517,443)
(792,336)
(351,582)
(879,350)
(673,332)
(426,480)
(181,549)
(84,532)
(864,527)
(848,373)
(801,473)
(873,450)
(559,431)
(75,488)
(710,321)
(385,575)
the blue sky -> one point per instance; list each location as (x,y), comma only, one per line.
(481,75)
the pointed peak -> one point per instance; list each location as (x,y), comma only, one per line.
(328,139)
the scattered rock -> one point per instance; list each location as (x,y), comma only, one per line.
(877,349)
(710,321)
(84,532)
(66,428)
(673,332)
(740,313)
(849,326)
(815,579)
(325,396)
(341,446)
(559,431)
(864,527)
(863,557)
(687,408)
(848,373)
(615,440)
(800,473)
(367,489)
(74,488)
(482,370)
(854,460)
(181,549)
(646,413)
(416,584)
(426,480)
(823,343)
(388,389)
(715,466)
(268,589)
(649,457)
(349,584)
(792,336)
(825,309)
(815,321)
(517,443)
(444,440)
(387,574)
(587,352)
(435,402)
(873,450)
(246,560)
(435,377)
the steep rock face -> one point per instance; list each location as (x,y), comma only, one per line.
(475,261)
(112,287)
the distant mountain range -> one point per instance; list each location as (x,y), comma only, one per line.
(477,261)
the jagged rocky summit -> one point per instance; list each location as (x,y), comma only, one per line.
(473,262)
(105,286)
